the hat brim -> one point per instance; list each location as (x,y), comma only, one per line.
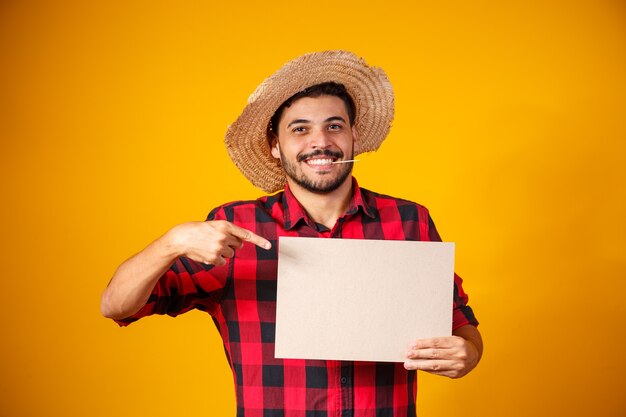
(246,139)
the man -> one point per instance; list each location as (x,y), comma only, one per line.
(297,132)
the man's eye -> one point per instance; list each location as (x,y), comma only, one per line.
(298,129)
(334,127)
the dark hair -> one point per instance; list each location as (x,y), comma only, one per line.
(317,90)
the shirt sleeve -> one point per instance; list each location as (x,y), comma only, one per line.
(462,313)
(184,286)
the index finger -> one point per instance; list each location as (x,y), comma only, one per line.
(248,236)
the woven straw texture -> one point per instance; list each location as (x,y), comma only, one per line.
(246,139)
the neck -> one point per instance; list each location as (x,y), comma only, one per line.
(324,208)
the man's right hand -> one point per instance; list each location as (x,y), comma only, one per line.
(212,242)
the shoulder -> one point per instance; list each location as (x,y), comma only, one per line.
(402,219)
(382,202)
(229,211)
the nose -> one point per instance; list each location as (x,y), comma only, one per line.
(320,139)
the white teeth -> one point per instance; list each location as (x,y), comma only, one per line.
(319,161)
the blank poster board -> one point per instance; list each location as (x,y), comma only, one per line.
(361,300)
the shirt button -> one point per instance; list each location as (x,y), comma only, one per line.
(344,380)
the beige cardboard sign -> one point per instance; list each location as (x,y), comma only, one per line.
(361,300)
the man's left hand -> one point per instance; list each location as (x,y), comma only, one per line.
(452,356)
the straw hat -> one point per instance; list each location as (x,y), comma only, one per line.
(246,139)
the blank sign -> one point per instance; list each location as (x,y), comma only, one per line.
(361,300)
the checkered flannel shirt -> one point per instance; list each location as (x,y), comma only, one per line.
(241,298)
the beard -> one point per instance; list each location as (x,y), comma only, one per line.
(320,186)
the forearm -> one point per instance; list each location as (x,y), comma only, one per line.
(133,281)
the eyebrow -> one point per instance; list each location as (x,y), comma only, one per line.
(330,119)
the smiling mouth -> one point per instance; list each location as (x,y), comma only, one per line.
(320,157)
(320,161)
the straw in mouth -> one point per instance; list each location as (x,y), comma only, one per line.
(347,160)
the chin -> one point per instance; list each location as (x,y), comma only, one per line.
(322,187)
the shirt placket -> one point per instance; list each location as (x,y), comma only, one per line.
(346,369)
(346,384)
(341,374)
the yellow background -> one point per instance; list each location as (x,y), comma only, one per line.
(510,127)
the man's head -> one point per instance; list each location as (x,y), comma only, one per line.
(364,95)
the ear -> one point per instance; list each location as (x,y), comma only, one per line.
(275,149)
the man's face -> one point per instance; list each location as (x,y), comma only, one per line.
(312,134)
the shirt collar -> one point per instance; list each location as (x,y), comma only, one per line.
(294,212)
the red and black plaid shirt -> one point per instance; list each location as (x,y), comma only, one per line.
(241,298)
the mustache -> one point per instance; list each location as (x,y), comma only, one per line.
(320,152)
